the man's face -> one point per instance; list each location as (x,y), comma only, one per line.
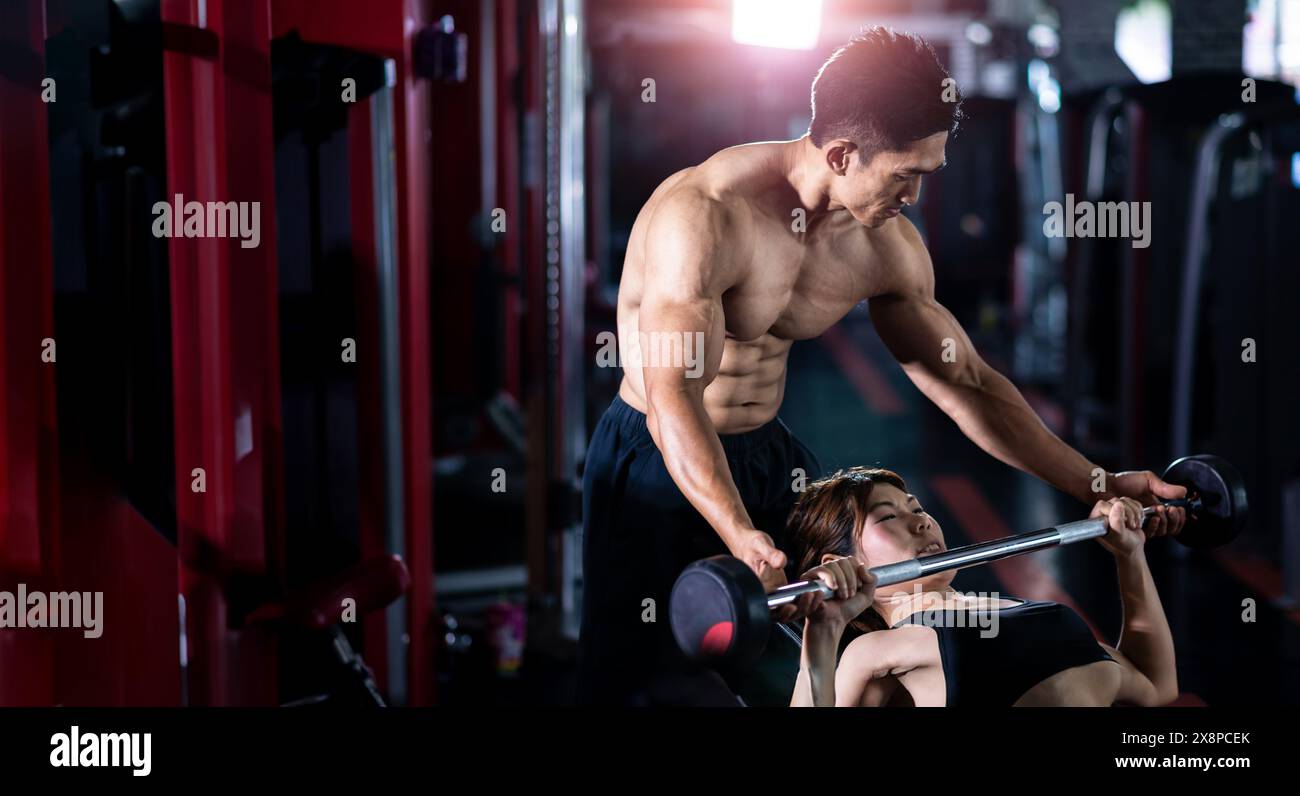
(876,191)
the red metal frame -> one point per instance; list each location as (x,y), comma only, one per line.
(224,339)
(370,449)
(28,463)
(225,361)
(64,525)
(385,29)
(455,128)
(507,155)
(540,413)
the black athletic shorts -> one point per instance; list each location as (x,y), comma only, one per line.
(640,533)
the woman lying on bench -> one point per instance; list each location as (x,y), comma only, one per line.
(922,643)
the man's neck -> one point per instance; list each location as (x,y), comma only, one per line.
(801,163)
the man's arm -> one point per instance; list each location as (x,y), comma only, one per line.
(686,272)
(942,362)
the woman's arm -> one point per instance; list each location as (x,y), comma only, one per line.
(1144,637)
(815,686)
(854,588)
(1146,645)
(860,681)
(876,666)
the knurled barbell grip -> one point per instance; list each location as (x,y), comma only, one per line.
(972,555)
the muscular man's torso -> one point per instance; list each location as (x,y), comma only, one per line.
(791,285)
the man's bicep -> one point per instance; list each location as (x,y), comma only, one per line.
(681,323)
(925,338)
(685,253)
(679,341)
(664,311)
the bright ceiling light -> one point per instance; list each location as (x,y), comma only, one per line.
(789,24)
(1142,36)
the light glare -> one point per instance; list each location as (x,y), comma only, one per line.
(787,24)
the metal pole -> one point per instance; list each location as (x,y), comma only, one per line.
(1185,354)
(384,154)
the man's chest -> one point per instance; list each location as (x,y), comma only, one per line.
(795,291)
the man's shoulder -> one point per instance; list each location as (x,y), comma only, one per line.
(902,258)
(688,198)
(898,242)
(726,183)
(699,203)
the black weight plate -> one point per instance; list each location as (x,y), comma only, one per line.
(719,613)
(1223,496)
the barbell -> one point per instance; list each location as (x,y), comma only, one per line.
(720,614)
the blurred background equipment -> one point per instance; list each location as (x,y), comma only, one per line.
(407,365)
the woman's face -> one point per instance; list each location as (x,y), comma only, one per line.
(897,529)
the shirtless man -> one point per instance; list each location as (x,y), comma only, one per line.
(690,459)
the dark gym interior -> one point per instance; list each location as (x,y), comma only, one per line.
(386,400)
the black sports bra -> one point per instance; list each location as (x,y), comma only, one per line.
(1034,640)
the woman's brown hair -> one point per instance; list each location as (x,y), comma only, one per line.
(828,518)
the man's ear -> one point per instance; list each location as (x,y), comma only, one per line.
(828,557)
(839,155)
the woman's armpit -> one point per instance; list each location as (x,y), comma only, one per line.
(873,664)
(894,652)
